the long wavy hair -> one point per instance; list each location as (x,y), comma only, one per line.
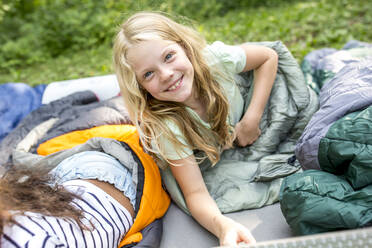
(151,115)
(26,190)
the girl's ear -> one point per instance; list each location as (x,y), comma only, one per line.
(4,215)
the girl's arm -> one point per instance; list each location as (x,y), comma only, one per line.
(264,62)
(203,208)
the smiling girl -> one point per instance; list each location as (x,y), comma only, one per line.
(182,97)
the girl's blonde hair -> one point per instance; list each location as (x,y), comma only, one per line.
(151,115)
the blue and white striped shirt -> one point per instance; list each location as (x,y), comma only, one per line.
(110,219)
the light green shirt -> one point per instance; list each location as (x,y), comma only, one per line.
(231,61)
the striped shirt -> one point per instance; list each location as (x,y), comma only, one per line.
(110,219)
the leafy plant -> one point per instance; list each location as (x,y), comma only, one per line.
(50,40)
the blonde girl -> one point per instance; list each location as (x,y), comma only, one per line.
(181,95)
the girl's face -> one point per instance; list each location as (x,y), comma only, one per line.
(163,69)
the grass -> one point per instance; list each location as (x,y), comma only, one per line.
(302,25)
(69,66)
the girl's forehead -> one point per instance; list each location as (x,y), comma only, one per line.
(152,44)
(147,51)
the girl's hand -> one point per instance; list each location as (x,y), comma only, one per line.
(233,233)
(247,132)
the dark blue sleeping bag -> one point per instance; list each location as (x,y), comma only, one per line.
(16,101)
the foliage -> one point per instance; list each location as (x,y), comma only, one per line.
(46,29)
(49,40)
(303,26)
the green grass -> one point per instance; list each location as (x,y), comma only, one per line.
(302,25)
(88,63)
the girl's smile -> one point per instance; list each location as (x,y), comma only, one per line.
(163,69)
(176,85)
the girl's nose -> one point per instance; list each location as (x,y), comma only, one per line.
(166,74)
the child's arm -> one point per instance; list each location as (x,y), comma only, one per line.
(264,62)
(203,208)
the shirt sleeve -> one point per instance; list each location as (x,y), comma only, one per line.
(169,151)
(233,58)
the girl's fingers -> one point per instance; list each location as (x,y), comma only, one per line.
(247,237)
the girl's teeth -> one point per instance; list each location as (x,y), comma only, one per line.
(175,85)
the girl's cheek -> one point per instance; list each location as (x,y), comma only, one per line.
(152,88)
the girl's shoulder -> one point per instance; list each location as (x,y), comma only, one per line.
(232,58)
(30,230)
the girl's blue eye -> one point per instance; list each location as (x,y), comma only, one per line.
(168,56)
(147,74)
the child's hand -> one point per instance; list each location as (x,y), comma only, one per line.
(234,233)
(247,132)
